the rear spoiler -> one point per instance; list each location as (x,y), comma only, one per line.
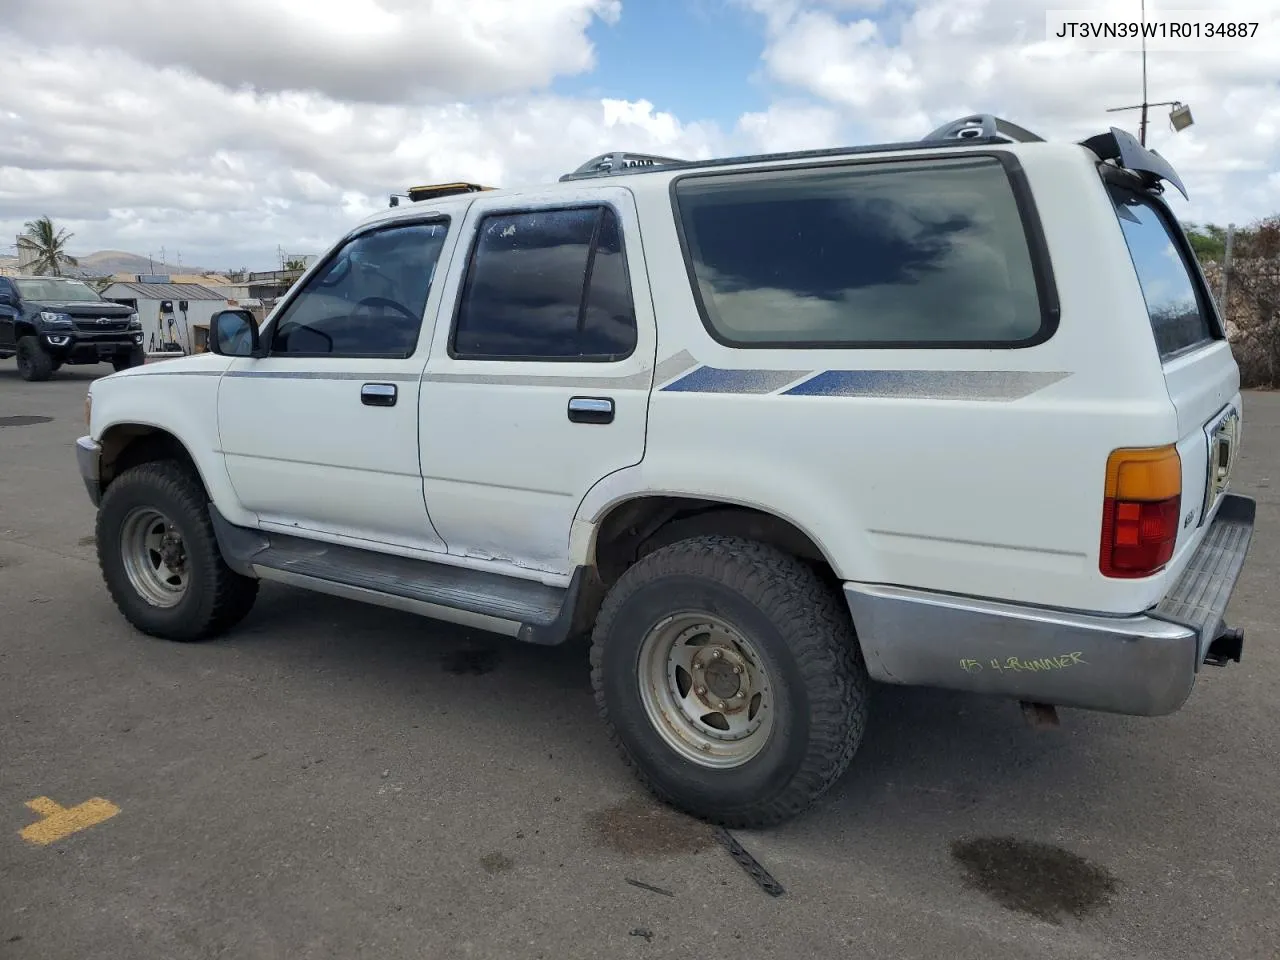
(1129,154)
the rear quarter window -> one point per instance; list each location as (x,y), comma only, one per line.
(906,253)
(1180,320)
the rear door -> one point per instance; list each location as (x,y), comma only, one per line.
(1199,370)
(538,382)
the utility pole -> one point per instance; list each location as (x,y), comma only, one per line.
(1226,269)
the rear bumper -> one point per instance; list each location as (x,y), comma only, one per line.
(1141,665)
(89,459)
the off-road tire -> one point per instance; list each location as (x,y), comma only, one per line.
(133,358)
(216,597)
(34,364)
(798,623)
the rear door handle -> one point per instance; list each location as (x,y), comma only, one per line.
(378,394)
(591,409)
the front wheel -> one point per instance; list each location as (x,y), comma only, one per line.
(160,559)
(34,362)
(730,677)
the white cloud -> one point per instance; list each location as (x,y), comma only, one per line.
(900,72)
(388,51)
(240,125)
(129,156)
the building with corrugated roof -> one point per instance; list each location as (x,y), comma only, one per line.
(171,313)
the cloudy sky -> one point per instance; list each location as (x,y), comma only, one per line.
(224,129)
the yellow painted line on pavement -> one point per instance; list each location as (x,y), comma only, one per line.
(58,821)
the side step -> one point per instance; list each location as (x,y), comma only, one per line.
(529,611)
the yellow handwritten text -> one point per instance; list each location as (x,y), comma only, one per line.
(1019,665)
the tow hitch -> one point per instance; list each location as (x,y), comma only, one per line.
(1228,646)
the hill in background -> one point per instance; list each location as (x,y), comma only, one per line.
(106,262)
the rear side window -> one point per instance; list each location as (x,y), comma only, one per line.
(885,254)
(1179,319)
(547,285)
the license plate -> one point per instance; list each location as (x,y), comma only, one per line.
(1223,434)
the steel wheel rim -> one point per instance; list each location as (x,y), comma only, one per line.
(705,690)
(155,558)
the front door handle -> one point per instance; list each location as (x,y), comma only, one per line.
(591,409)
(378,394)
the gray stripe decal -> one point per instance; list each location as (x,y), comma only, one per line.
(673,366)
(717,380)
(997,385)
(635,381)
(177,373)
(381,375)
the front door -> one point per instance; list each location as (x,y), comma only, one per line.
(538,384)
(321,435)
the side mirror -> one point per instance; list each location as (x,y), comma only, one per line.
(7,299)
(233,333)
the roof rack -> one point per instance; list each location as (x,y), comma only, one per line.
(983,126)
(979,129)
(434,191)
(616,162)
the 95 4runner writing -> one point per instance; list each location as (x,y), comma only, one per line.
(955,413)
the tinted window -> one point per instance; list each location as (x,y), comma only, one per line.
(904,252)
(1177,316)
(550,285)
(369,299)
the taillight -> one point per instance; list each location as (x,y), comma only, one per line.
(1140,512)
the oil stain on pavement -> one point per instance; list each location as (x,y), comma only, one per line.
(640,828)
(23,421)
(1044,881)
(496,862)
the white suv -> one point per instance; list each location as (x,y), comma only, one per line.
(954,413)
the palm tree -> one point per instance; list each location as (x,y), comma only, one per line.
(49,244)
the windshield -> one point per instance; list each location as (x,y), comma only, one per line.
(56,289)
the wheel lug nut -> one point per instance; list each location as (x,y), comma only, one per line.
(716,654)
(702,691)
(720,705)
(737,670)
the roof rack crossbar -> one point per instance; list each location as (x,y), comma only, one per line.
(983,126)
(617,162)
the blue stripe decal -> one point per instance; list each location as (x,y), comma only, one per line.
(716,380)
(1002,385)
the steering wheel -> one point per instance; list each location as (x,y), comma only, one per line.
(384,302)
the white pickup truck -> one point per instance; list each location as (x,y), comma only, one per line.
(955,413)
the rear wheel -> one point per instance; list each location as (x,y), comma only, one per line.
(160,559)
(729,676)
(34,363)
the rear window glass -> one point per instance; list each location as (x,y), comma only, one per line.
(918,253)
(1178,318)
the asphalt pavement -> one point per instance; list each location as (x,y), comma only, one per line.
(339,781)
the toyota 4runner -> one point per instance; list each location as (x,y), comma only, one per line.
(956,413)
(49,321)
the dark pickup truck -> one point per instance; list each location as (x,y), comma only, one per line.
(49,321)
